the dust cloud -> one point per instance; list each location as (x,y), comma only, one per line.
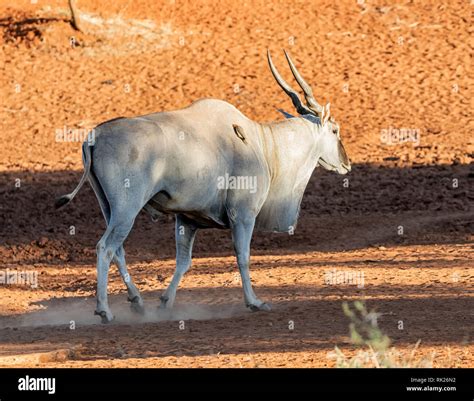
(80,313)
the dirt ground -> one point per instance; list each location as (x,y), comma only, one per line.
(401,226)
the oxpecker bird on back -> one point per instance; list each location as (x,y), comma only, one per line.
(211,167)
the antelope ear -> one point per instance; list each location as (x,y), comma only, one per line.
(326,114)
(288,115)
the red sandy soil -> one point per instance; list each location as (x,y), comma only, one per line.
(380,65)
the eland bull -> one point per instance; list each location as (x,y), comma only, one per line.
(211,167)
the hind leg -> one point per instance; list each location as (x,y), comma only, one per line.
(133,294)
(185,234)
(108,245)
(119,258)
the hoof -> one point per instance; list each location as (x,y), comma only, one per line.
(137,308)
(137,305)
(106,317)
(165,302)
(262,307)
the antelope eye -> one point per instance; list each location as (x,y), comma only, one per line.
(334,131)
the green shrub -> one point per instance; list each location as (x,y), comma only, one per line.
(376,351)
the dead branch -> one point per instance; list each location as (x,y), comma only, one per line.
(75,21)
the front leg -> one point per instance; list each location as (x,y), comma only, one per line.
(242,230)
(185,234)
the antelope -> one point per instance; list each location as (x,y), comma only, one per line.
(174,162)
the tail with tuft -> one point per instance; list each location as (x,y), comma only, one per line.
(86,155)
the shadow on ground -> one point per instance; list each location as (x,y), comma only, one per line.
(368,212)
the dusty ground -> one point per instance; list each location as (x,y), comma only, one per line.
(380,65)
